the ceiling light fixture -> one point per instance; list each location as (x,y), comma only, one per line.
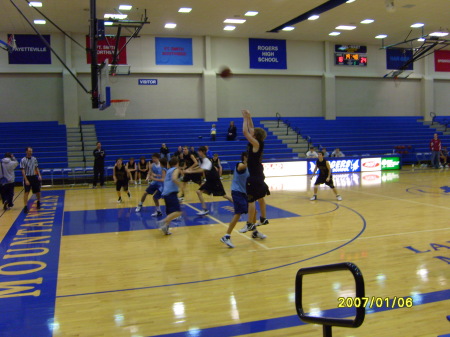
(170,25)
(367,21)
(234,21)
(350,1)
(334,33)
(288,29)
(184,10)
(343,27)
(417,25)
(125,7)
(35,4)
(313,17)
(381,36)
(40,22)
(251,13)
(440,34)
(229,28)
(421,39)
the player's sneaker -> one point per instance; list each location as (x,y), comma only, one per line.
(119,200)
(164,227)
(247,227)
(181,198)
(129,194)
(5,205)
(25,210)
(157,213)
(138,208)
(338,197)
(314,197)
(258,235)
(227,240)
(265,222)
(204,212)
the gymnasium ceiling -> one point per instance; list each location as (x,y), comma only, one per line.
(207,16)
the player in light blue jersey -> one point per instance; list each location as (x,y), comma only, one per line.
(170,194)
(157,174)
(239,195)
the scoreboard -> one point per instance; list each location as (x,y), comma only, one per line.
(350,55)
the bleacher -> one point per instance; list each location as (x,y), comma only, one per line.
(359,136)
(355,136)
(48,140)
(135,138)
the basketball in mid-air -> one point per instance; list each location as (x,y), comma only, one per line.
(225,72)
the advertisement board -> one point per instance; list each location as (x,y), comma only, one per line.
(371,164)
(283,169)
(390,163)
(338,165)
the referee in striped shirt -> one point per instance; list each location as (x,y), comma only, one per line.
(31,178)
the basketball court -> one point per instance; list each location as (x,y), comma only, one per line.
(106,270)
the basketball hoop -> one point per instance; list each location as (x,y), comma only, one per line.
(120,105)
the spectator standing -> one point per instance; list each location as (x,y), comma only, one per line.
(232,131)
(99,165)
(31,178)
(435,147)
(213,132)
(7,178)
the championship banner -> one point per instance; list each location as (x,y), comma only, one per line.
(397,57)
(30,50)
(105,50)
(267,54)
(173,51)
(442,60)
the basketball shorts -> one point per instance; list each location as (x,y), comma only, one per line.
(323,180)
(240,202)
(120,184)
(172,203)
(194,177)
(154,190)
(35,184)
(213,187)
(256,188)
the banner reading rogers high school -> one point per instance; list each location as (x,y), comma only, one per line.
(442,60)
(267,54)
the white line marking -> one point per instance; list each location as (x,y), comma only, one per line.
(400,199)
(226,225)
(360,238)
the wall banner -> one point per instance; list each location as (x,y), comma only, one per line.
(267,54)
(30,50)
(173,51)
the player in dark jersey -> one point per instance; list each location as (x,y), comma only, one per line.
(121,176)
(256,188)
(190,162)
(213,185)
(324,177)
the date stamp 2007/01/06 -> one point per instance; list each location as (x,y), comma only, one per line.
(375,302)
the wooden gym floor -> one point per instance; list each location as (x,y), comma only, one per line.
(85,265)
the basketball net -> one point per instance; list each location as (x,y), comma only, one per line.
(12,41)
(120,105)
